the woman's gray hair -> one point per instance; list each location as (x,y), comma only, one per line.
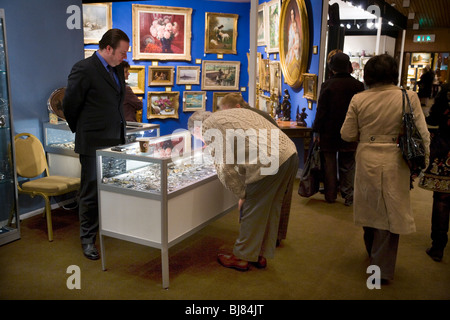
(197,116)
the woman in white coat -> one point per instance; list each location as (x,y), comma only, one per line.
(382,178)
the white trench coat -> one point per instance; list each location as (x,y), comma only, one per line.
(382,177)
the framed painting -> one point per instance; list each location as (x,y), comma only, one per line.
(96,21)
(420,58)
(220,32)
(136,79)
(220,75)
(294,41)
(275,77)
(194,101)
(261,25)
(310,86)
(264,74)
(161,33)
(273,9)
(264,103)
(188,74)
(89,52)
(161,104)
(217,96)
(160,76)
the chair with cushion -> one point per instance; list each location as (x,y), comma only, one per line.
(31,163)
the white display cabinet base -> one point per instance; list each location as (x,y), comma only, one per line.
(150,221)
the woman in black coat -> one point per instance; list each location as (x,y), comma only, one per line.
(338,155)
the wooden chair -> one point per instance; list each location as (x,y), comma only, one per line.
(31,163)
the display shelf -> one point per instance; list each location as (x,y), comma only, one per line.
(59,143)
(158,200)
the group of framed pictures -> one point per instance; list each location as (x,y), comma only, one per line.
(164,33)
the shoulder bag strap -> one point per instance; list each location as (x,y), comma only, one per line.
(405,94)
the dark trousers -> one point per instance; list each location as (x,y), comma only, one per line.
(342,163)
(382,246)
(88,205)
(440,220)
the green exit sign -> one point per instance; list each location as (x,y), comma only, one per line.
(424,38)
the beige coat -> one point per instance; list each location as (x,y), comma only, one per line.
(382,178)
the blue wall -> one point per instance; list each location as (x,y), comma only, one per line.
(41,52)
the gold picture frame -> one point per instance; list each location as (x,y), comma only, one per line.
(294,41)
(275,77)
(264,74)
(273,9)
(194,101)
(161,76)
(97,19)
(161,33)
(220,75)
(221,32)
(162,104)
(188,74)
(136,79)
(261,25)
(216,99)
(310,86)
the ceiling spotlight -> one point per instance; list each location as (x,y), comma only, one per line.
(390,23)
(348,26)
(370,25)
(358,25)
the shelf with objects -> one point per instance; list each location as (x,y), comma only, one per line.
(59,143)
(9,222)
(158,195)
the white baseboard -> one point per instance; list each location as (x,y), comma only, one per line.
(41,210)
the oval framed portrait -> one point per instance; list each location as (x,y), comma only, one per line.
(294,41)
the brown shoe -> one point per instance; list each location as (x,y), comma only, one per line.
(261,263)
(230,261)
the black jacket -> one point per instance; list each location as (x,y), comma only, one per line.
(92,106)
(335,96)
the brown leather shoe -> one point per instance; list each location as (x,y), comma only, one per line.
(261,263)
(230,261)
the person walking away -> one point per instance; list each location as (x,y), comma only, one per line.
(382,177)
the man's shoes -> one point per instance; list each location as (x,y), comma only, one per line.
(261,263)
(230,261)
(90,251)
(435,254)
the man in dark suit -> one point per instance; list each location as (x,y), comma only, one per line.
(93,109)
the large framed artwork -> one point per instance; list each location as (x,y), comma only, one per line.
(136,79)
(273,25)
(220,32)
(220,75)
(96,21)
(161,33)
(162,104)
(294,41)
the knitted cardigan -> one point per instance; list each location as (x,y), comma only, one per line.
(237,164)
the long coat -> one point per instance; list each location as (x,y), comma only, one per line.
(332,106)
(382,177)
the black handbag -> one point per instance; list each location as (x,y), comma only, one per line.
(310,177)
(410,141)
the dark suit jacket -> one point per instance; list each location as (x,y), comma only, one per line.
(92,106)
(335,96)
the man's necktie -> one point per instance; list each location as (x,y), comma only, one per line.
(111,73)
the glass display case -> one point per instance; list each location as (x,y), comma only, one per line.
(59,143)
(158,197)
(9,222)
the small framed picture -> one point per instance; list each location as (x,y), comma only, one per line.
(310,86)
(220,75)
(188,74)
(194,101)
(220,32)
(136,79)
(160,76)
(161,104)
(96,21)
